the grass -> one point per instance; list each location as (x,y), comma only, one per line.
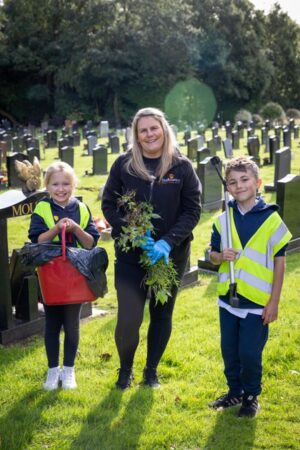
(98,417)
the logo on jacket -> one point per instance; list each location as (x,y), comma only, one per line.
(170,179)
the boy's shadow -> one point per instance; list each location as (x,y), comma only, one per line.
(19,424)
(107,427)
(231,432)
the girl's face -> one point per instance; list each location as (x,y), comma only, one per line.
(60,187)
(150,136)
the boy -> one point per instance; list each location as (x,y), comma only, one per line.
(259,240)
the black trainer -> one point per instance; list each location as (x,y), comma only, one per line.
(226,401)
(125,378)
(150,378)
(250,406)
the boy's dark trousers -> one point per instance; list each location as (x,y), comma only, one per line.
(242,343)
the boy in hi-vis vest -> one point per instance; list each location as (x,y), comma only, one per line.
(259,240)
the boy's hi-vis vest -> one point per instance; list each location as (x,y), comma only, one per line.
(43,209)
(254,267)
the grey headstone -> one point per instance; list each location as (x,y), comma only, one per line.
(92,142)
(192,148)
(282,167)
(104,129)
(100,160)
(66,154)
(114,143)
(227,146)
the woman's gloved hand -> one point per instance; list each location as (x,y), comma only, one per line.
(145,242)
(161,249)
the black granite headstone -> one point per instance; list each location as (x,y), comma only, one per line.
(100,160)
(66,154)
(282,167)
(211,185)
(253,148)
(235,140)
(273,147)
(51,139)
(287,198)
(287,139)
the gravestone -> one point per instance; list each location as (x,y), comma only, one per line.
(128,135)
(273,147)
(211,185)
(264,135)
(282,167)
(66,154)
(253,148)
(100,160)
(240,129)
(211,147)
(76,138)
(296,132)
(32,142)
(17,146)
(227,147)
(278,130)
(104,129)
(91,143)
(33,152)
(287,198)
(51,139)
(192,148)
(186,136)
(287,139)
(63,142)
(235,140)
(114,143)
(217,142)
(12,174)
(4,149)
(250,132)
(228,130)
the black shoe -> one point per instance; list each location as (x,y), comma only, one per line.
(150,378)
(250,406)
(226,401)
(125,378)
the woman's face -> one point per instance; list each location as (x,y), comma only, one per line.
(150,136)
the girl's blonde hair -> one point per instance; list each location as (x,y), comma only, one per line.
(60,167)
(135,164)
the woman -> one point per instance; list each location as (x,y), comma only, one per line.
(156,170)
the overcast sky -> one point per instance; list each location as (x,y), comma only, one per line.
(292,7)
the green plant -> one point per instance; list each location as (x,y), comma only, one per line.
(272,110)
(160,277)
(243,116)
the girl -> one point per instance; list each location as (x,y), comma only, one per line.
(46,224)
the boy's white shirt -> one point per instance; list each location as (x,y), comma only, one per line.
(240,312)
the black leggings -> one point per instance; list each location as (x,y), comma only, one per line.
(132,296)
(68,317)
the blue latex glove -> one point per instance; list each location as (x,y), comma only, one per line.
(146,242)
(161,249)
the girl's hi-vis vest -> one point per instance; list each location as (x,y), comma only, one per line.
(43,209)
(254,267)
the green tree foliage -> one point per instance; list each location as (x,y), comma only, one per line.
(272,110)
(104,59)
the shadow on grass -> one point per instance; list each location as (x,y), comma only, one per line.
(231,432)
(20,423)
(113,424)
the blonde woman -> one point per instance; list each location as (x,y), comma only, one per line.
(156,170)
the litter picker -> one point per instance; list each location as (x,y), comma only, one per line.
(233,299)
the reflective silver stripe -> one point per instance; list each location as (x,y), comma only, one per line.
(278,234)
(260,258)
(254,281)
(241,274)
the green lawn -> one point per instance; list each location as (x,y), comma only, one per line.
(98,417)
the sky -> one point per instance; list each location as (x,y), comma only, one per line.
(292,7)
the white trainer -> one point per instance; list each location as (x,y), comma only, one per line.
(68,378)
(52,380)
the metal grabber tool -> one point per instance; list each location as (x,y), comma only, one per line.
(233,299)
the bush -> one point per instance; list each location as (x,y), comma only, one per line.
(257,119)
(243,116)
(293,113)
(272,111)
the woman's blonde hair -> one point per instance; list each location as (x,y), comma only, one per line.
(136,165)
(60,167)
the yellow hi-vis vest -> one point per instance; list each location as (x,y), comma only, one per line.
(43,209)
(254,267)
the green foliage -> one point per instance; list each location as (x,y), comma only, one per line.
(160,277)
(272,111)
(293,113)
(257,119)
(243,116)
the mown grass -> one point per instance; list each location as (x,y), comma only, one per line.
(176,416)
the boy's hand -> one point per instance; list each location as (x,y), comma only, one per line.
(229,254)
(270,312)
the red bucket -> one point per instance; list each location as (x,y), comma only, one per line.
(61,283)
